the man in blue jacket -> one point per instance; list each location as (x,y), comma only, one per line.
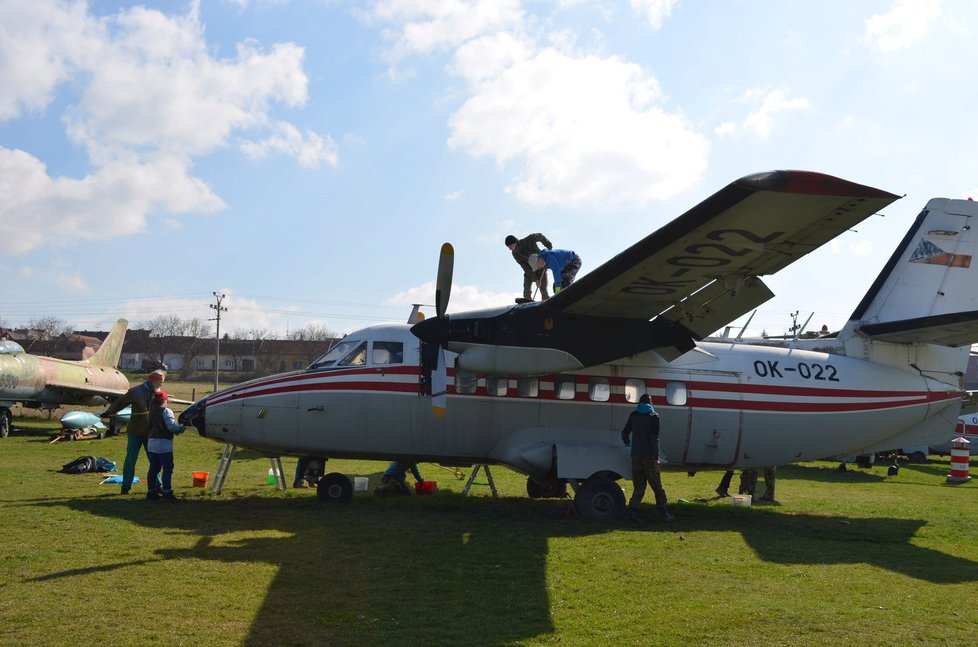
(642,432)
(562,262)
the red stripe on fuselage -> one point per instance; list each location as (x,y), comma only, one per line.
(327,380)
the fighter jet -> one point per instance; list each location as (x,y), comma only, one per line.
(35,381)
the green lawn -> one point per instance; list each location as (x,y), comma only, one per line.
(845,558)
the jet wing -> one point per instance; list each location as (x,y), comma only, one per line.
(75,388)
(700,270)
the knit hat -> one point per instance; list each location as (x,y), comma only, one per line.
(511,240)
(161,395)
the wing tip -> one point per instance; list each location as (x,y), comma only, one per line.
(810,182)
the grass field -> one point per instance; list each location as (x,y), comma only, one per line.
(845,558)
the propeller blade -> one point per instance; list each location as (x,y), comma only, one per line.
(443,285)
(439,386)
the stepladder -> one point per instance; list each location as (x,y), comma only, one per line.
(227,456)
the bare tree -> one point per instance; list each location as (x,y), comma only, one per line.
(312,332)
(46,329)
(162,332)
(195,334)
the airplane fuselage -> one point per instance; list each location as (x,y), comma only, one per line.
(721,405)
(33,380)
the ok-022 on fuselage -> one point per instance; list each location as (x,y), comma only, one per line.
(893,372)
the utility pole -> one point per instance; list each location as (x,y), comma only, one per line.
(217,353)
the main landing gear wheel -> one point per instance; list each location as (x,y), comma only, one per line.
(600,499)
(549,488)
(335,488)
(5,424)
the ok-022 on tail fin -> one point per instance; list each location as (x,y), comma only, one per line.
(928,290)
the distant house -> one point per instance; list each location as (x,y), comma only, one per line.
(261,357)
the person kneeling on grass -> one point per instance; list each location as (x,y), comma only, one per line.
(162,427)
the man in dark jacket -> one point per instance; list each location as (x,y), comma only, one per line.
(642,432)
(139,398)
(522,248)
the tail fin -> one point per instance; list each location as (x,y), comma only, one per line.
(928,290)
(111,349)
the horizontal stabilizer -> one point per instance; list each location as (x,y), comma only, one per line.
(952,329)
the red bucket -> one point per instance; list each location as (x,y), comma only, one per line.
(426,487)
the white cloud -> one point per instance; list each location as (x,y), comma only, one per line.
(454,196)
(39,42)
(113,201)
(309,149)
(428,25)
(770,105)
(654,11)
(586,129)
(462,299)
(152,96)
(906,23)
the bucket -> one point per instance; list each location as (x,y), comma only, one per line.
(741,500)
(426,487)
(200,479)
(360,483)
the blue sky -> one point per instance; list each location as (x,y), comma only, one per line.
(308,158)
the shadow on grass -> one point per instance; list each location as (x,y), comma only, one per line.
(439,570)
(829,473)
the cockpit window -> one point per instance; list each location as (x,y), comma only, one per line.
(345,353)
(388,352)
(10,347)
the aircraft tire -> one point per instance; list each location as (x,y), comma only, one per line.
(550,488)
(334,488)
(600,499)
(5,423)
(917,457)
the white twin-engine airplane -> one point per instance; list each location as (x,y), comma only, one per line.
(545,387)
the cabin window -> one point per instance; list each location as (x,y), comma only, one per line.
(339,354)
(497,385)
(564,387)
(388,352)
(634,389)
(676,393)
(356,357)
(465,382)
(598,389)
(528,387)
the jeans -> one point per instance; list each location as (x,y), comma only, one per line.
(156,463)
(133,445)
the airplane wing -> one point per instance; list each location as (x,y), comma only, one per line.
(72,388)
(700,270)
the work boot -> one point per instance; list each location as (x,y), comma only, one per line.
(169,496)
(154,495)
(722,492)
(665,514)
(125,490)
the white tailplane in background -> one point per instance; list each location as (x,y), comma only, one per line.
(545,387)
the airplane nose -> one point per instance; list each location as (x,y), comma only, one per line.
(193,416)
(433,331)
